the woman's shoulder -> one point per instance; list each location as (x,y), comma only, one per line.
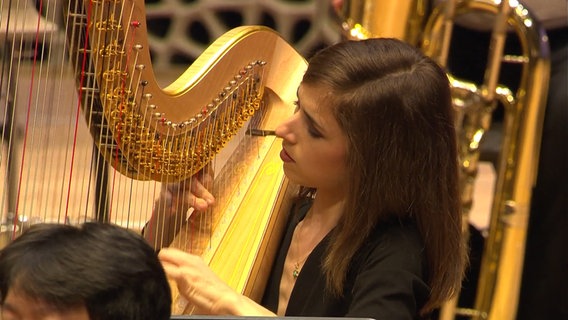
(396,242)
(391,265)
(398,228)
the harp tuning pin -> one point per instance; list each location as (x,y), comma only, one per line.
(173,125)
(262,63)
(138,47)
(147,96)
(135,23)
(152,106)
(216,100)
(140,67)
(238,77)
(144,83)
(210,106)
(232,83)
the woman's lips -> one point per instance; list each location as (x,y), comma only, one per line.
(285,156)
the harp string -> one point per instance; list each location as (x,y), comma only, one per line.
(85,86)
(27,117)
(125,87)
(11,71)
(75,53)
(41,76)
(51,112)
(25,35)
(31,118)
(100,45)
(47,82)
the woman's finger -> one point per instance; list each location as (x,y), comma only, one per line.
(175,256)
(202,194)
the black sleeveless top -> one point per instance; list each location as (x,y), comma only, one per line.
(386,279)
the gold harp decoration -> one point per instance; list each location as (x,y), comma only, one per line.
(244,82)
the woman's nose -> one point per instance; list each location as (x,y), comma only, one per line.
(281,130)
(284,129)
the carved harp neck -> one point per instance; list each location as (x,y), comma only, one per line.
(148,132)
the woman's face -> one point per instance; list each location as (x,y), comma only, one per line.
(314,149)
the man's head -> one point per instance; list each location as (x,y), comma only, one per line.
(99,270)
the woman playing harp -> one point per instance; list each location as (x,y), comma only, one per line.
(376,229)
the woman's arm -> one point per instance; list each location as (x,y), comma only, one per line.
(203,289)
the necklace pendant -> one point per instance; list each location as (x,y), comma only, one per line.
(296,271)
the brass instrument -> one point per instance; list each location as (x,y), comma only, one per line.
(502,259)
(401,19)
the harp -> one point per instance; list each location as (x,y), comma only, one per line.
(147,135)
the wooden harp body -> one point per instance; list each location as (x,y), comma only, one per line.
(244,82)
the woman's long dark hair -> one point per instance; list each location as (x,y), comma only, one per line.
(394,105)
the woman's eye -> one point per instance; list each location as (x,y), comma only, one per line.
(314,132)
(296,106)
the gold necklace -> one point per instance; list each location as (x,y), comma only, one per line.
(298,265)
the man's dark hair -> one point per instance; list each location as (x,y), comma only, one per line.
(111,270)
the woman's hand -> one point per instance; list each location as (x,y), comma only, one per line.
(191,193)
(202,288)
(171,208)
